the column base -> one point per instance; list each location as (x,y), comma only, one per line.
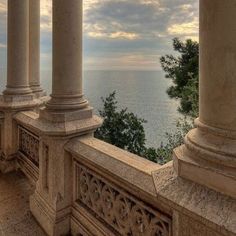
(19,91)
(67,103)
(38,91)
(209,159)
(197,210)
(18,98)
(53,222)
(18,103)
(67,115)
(7,165)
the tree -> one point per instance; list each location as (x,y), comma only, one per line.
(124,130)
(173,140)
(121,128)
(183,71)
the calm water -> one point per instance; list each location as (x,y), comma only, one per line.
(143,93)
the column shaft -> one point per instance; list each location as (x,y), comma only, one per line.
(67,56)
(34,46)
(18,45)
(217,64)
(209,154)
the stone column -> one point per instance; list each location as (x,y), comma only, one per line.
(66,115)
(18,48)
(34,47)
(67,93)
(209,154)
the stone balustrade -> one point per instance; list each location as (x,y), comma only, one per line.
(113,192)
(28,154)
(84,186)
(118,193)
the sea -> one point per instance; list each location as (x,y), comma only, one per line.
(141,92)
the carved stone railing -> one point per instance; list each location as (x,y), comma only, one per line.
(91,188)
(28,152)
(119,210)
(1,132)
(113,192)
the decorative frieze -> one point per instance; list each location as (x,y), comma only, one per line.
(45,166)
(29,145)
(116,208)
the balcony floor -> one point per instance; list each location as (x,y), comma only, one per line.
(15,216)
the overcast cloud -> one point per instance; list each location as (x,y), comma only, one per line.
(120,34)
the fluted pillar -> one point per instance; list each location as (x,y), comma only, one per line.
(67,56)
(209,153)
(18,48)
(34,47)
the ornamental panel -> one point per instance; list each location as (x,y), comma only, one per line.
(117,209)
(29,145)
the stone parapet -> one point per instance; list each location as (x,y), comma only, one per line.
(194,210)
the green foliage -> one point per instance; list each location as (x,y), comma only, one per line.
(164,152)
(121,128)
(183,71)
(124,130)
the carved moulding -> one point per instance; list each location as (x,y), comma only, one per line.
(117,209)
(29,145)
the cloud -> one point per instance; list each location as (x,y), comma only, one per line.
(3,8)
(46,15)
(3,45)
(122,33)
(187,29)
(136,27)
(114,35)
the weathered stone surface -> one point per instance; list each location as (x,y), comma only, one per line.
(112,160)
(211,209)
(70,128)
(85,184)
(196,210)
(209,157)
(190,227)
(15,216)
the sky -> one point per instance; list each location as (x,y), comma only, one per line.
(119,34)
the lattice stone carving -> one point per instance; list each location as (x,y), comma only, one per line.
(118,209)
(29,145)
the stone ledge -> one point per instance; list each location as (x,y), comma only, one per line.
(32,121)
(17,104)
(214,211)
(208,211)
(114,162)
